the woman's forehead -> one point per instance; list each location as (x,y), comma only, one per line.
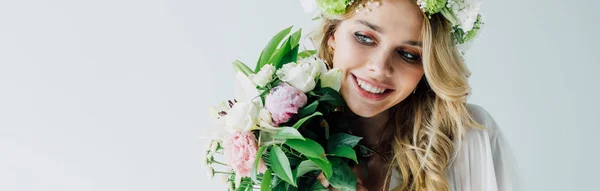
(391,17)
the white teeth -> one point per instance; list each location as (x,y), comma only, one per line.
(368,87)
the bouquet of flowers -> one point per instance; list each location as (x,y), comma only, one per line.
(284,127)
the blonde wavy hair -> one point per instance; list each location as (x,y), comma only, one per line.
(427,126)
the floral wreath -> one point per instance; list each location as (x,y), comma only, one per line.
(462,14)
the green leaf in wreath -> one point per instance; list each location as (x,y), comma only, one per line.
(267,52)
(281,165)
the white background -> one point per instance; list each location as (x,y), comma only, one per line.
(113,95)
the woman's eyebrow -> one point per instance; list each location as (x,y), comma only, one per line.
(370,25)
(378,29)
(414,43)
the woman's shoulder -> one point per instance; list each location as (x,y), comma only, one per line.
(484,160)
(484,118)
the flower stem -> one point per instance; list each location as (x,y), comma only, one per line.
(291,152)
(217,162)
(219,172)
(267,143)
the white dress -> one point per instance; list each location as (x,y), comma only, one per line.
(484,161)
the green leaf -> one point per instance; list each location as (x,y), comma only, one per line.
(256,162)
(291,188)
(290,56)
(307,147)
(343,177)
(267,52)
(281,165)
(342,140)
(241,67)
(307,53)
(280,187)
(305,167)
(346,152)
(324,165)
(309,109)
(279,53)
(295,38)
(265,185)
(332,97)
(317,186)
(301,121)
(245,185)
(313,151)
(288,133)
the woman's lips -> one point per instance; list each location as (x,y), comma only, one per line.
(368,95)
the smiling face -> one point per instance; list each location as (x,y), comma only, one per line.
(379,53)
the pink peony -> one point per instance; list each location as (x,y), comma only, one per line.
(284,101)
(240,153)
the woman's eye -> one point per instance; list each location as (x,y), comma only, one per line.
(363,39)
(409,56)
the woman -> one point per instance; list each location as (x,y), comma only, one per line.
(406,81)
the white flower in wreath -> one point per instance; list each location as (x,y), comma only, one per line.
(466,12)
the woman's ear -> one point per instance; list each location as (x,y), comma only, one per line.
(331,41)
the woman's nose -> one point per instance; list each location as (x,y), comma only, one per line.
(380,64)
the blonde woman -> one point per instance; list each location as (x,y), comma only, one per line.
(405,79)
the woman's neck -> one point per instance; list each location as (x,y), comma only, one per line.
(371,128)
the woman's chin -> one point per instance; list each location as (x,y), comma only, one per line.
(365,112)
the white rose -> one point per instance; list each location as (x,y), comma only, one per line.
(264,118)
(319,66)
(298,76)
(242,117)
(264,76)
(302,75)
(332,79)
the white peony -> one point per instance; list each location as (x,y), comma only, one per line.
(302,75)
(242,117)
(264,76)
(332,79)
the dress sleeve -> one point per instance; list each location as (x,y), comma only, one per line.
(505,165)
(484,161)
